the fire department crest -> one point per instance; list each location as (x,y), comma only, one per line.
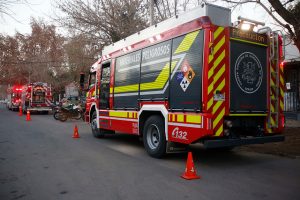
(248,72)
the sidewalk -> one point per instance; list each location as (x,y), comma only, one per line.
(292,123)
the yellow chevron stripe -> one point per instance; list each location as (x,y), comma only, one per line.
(272,121)
(210,72)
(219,131)
(169,117)
(272,108)
(281,105)
(281,80)
(210,103)
(269,130)
(122,114)
(159,82)
(220,44)
(272,82)
(281,92)
(218,32)
(130,114)
(220,116)
(210,58)
(220,58)
(187,42)
(219,73)
(210,88)
(217,106)
(221,85)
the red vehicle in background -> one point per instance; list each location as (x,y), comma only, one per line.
(36,97)
(14,97)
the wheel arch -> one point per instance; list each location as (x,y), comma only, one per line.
(150,110)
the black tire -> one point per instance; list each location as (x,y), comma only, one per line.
(56,115)
(98,133)
(63,117)
(78,117)
(154,136)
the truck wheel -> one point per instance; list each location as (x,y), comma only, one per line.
(98,133)
(56,115)
(154,136)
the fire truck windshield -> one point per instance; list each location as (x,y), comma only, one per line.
(92,79)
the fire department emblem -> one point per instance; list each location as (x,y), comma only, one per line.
(248,72)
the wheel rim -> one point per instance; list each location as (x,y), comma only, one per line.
(94,124)
(153,136)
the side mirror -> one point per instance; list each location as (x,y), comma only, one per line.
(81,82)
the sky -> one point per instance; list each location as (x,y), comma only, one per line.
(22,14)
(45,8)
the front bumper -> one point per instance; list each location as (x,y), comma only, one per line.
(219,143)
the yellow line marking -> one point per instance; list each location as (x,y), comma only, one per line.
(246,41)
(245,115)
(272,108)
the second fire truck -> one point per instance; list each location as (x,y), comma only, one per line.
(36,97)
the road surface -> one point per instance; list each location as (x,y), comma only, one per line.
(40,160)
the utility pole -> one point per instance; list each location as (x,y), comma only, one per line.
(151,8)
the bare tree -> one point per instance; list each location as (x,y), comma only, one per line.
(5,7)
(103,21)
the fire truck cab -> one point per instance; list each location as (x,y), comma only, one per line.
(192,78)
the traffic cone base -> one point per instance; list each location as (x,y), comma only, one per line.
(76,134)
(190,171)
(28,118)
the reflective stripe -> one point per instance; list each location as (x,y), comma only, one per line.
(180,118)
(187,42)
(118,114)
(193,119)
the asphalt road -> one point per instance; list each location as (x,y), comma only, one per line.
(40,160)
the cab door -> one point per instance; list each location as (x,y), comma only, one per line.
(104,86)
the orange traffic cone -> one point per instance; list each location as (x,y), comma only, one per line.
(20,111)
(28,118)
(76,134)
(190,172)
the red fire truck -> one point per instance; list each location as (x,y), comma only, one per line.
(193,78)
(36,97)
(14,97)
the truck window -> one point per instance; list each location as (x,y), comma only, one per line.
(104,87)
(92,79)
